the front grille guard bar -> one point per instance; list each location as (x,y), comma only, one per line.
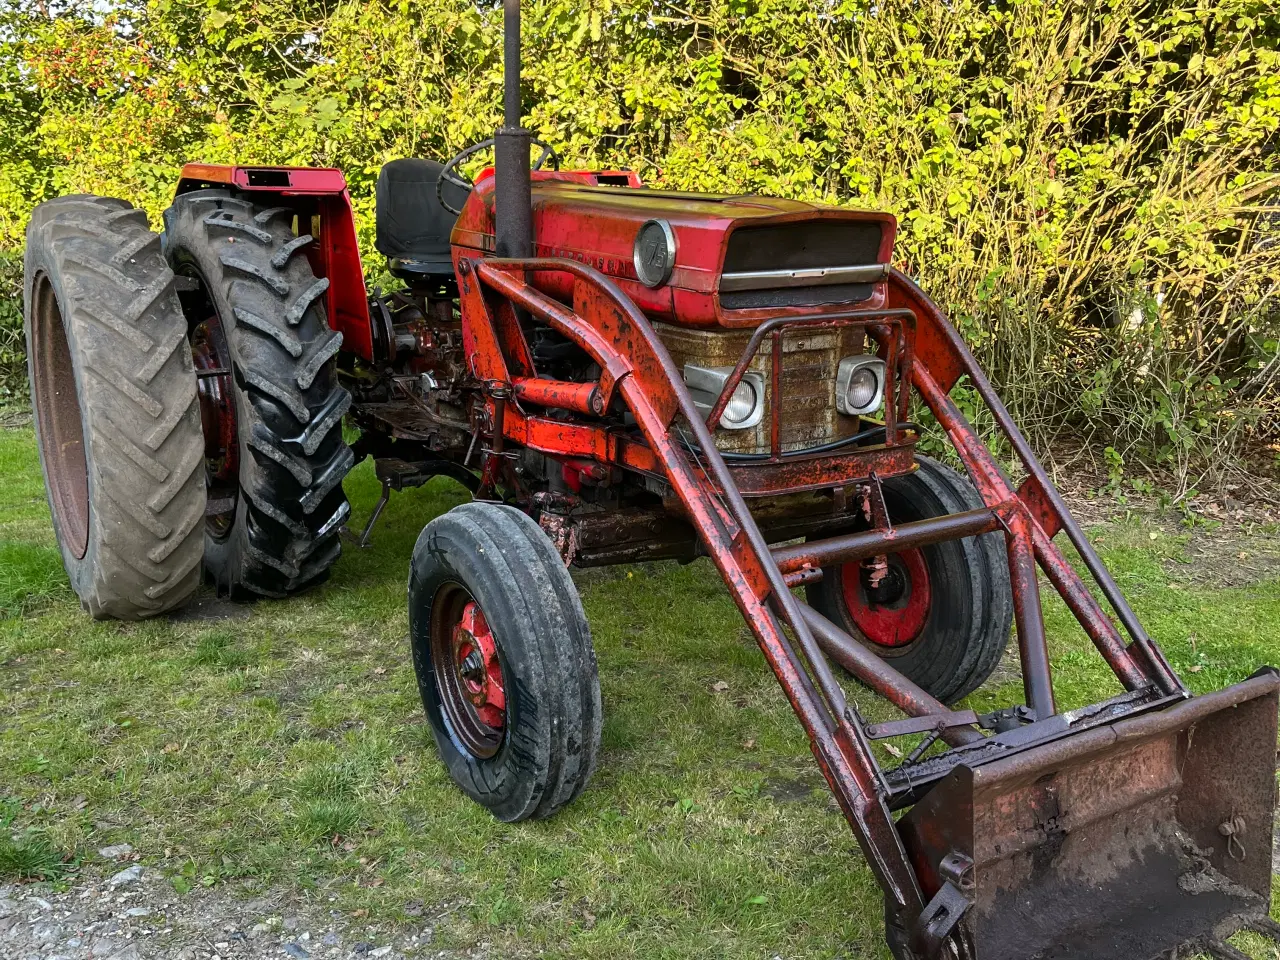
(888,327)
(635,364)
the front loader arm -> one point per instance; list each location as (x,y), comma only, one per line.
(988,811)
(605,323)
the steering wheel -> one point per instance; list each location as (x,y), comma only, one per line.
(451,175)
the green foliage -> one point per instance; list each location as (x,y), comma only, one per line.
(13,367)
(1084,186)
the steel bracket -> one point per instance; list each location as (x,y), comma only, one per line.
(938,920)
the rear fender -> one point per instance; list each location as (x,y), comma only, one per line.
(319,195)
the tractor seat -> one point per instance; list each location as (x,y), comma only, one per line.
(412,227)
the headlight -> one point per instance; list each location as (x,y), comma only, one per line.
(745,408)
(859,385)
(654,254)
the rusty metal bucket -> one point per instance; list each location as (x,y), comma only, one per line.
(1146,837)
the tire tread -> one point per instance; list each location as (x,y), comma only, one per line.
(124,323)
(293,457)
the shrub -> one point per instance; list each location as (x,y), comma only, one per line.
(1086,187)
(13,367)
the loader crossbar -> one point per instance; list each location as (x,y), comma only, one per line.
(933,869)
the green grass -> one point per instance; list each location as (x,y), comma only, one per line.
(27,854)
(30,856)
(289,749)
(30,575)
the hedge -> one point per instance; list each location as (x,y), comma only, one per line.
(1087,186)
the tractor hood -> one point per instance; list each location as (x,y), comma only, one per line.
(697,259)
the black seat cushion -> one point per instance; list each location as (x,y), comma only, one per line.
(411,223)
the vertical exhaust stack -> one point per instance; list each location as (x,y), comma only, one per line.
(513,199)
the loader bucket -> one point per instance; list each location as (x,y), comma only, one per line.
(1147,837)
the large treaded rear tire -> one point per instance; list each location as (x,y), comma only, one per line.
(290,504)
(115,400)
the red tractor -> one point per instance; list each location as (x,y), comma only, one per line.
(618,374)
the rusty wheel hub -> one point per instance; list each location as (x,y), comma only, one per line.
(216,389)
(475,655)
(468,670)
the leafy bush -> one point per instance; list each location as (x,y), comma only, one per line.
(1084,186)
(13,370)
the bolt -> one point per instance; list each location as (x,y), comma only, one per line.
(472,665)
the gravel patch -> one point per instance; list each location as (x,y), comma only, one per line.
(135,914)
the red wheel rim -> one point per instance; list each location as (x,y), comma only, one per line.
(468,672)
(891,614)
(475,655)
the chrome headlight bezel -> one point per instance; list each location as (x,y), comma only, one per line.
(706,383)
(850,366)
(654,253)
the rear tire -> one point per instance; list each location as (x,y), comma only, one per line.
(947,626)
(259,309)
(519,731)
(116,418)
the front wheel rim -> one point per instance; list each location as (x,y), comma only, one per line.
(467,664)
(892,613)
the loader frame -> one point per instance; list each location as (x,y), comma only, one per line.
(927,886)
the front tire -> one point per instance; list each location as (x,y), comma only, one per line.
(504,661)
(270,400)
(941,614)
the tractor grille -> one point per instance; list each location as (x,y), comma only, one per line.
(803,263)
(809,362)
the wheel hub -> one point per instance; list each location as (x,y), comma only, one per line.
(889,598)
(467,670)
(479,667)
(216,391)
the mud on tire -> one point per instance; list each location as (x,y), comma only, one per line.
(115,400)
(283,506)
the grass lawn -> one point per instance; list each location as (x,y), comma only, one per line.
(232,751)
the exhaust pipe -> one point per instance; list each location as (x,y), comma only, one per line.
(513,199)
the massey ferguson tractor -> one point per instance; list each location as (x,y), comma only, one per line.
(617,374)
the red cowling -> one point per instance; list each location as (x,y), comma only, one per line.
(585,217)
